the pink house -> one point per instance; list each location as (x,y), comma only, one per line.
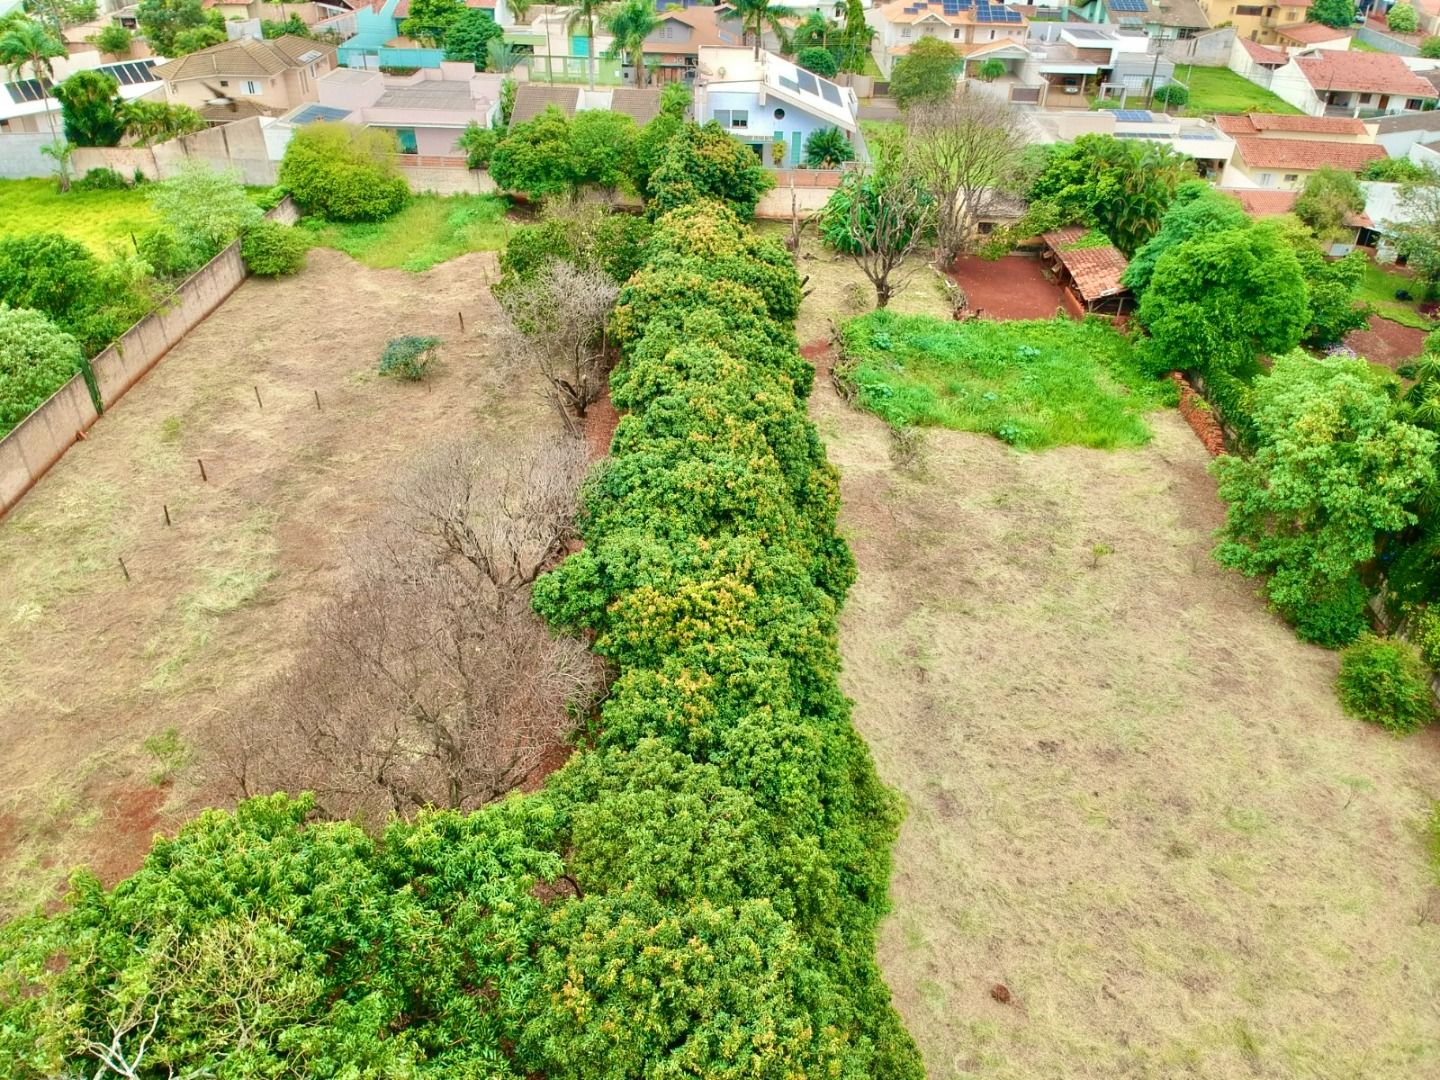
(427,110)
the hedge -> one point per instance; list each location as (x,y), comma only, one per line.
(696,893)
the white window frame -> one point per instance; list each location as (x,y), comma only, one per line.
(252,87)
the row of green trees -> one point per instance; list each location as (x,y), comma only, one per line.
(695,894)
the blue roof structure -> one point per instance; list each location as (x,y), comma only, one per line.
(312,112)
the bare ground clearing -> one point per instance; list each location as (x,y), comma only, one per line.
(1133,801)
(91,666)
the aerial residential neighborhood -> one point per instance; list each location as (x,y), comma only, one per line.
(664,539)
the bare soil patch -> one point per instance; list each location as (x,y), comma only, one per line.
(92,665)
(1386,342)
(1014,287)
(1133,802)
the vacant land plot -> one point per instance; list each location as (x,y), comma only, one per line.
(430,230)
(1220,90)
(1014,287)
(1032,384)
(98,219)
(93,666)
(1378,288)
(1136,812)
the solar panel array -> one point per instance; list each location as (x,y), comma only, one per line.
(28,90)
(130,72)
(1133,116)
(984,10)
(1137,6)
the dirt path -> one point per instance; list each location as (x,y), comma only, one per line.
(1014,287)
(1133,802)
(1386,342)
(92,665)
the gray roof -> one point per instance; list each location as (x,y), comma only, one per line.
(531,100)
(436,94)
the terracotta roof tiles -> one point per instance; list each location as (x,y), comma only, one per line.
(1304,155)
(1363,72)
(1096,270)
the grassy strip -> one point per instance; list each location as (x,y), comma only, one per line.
(98,219)
(1031,384)
(1220,90)
(1378,288)
(430,230)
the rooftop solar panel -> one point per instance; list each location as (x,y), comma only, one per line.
(807,82)
(1128,5)
(27,90)
(830,92)
(1133,116)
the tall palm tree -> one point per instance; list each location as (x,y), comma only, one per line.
(29,45)
(631,23)
(756,15)
(587,13)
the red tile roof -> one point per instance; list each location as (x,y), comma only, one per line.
(1263,54)
(1096,270)
(1263,202)
(1310,33)
(1304,155)
(1363,72)
(1257,123)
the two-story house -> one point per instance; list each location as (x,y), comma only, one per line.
(1256,21)
(1282,152)
(247,77)
(976,29)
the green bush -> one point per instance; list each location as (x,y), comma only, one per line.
(536,158)
(703,163)
(36,358)
(101,180)
(828,148)
(478,143)
(1386,683)
(1172,94)
(166,256)
(92,300)
(344,173)
(271,249)
(408,357)
(820,61)
(1334,618)
(1402,19)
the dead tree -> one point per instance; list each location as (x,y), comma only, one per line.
(965,149)
(430,682)
(556,321)
(890,216)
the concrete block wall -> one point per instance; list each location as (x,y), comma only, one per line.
(42,438)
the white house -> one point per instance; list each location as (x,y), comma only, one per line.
(1329,82)
(977,29)
(768,101)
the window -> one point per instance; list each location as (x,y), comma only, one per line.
(732,118)
(992,35)
(251,87)
(1267,179)
(1366,99)
(224,83)
(1291,177)
(406,138)
(779,114)
(905,31)
(1414,103)
(1246,9)
(1292,15)
(956,35)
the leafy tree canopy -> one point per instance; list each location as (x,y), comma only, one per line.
(1216,301)
(926,73)
(1333,467)
(430,20)
(1402,19)
(1337,13)
(535,157)
(1198,210)
(161,21)
(469,37)
(703,162)
(603,145)
(204,208)
(820,61)
(36,359)
(344,173)
(1328,197)
(1121,186)
(90,105)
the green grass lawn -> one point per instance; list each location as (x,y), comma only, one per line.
(430,230)
(875,130)
(1220,90)
(1031,384)
(99,219)
(1378,288)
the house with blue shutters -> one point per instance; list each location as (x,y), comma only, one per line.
(771,105)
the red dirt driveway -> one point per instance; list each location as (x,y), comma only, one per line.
(1386,342)
(1014,287)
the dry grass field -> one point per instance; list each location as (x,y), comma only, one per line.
(1133,801)
(93,667)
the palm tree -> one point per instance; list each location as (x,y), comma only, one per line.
(29,45)
(756,15)
(587,13)
(814,30)
(631,23)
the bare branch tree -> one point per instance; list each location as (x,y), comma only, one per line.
(890,216)
(557,322)
(430,682)
(965,148)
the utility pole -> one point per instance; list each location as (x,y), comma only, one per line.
(1154,68)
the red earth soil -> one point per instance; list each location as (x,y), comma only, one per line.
(1014,287)
(122,840)
(601,420)
(1386,342)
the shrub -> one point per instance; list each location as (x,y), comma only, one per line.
(478,143)
(408,357)
(827,148)
(602,144)
(113,39)
(94,301)
(1386,683)
(205,209)
(166,256)
(1172,94)
(536,157)
(1430,47)
(101,180)
(1332,619)
(1402,19)
(820,61)
(271,249)
(704,163)
(991,70)
(344,173)
(36,358)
